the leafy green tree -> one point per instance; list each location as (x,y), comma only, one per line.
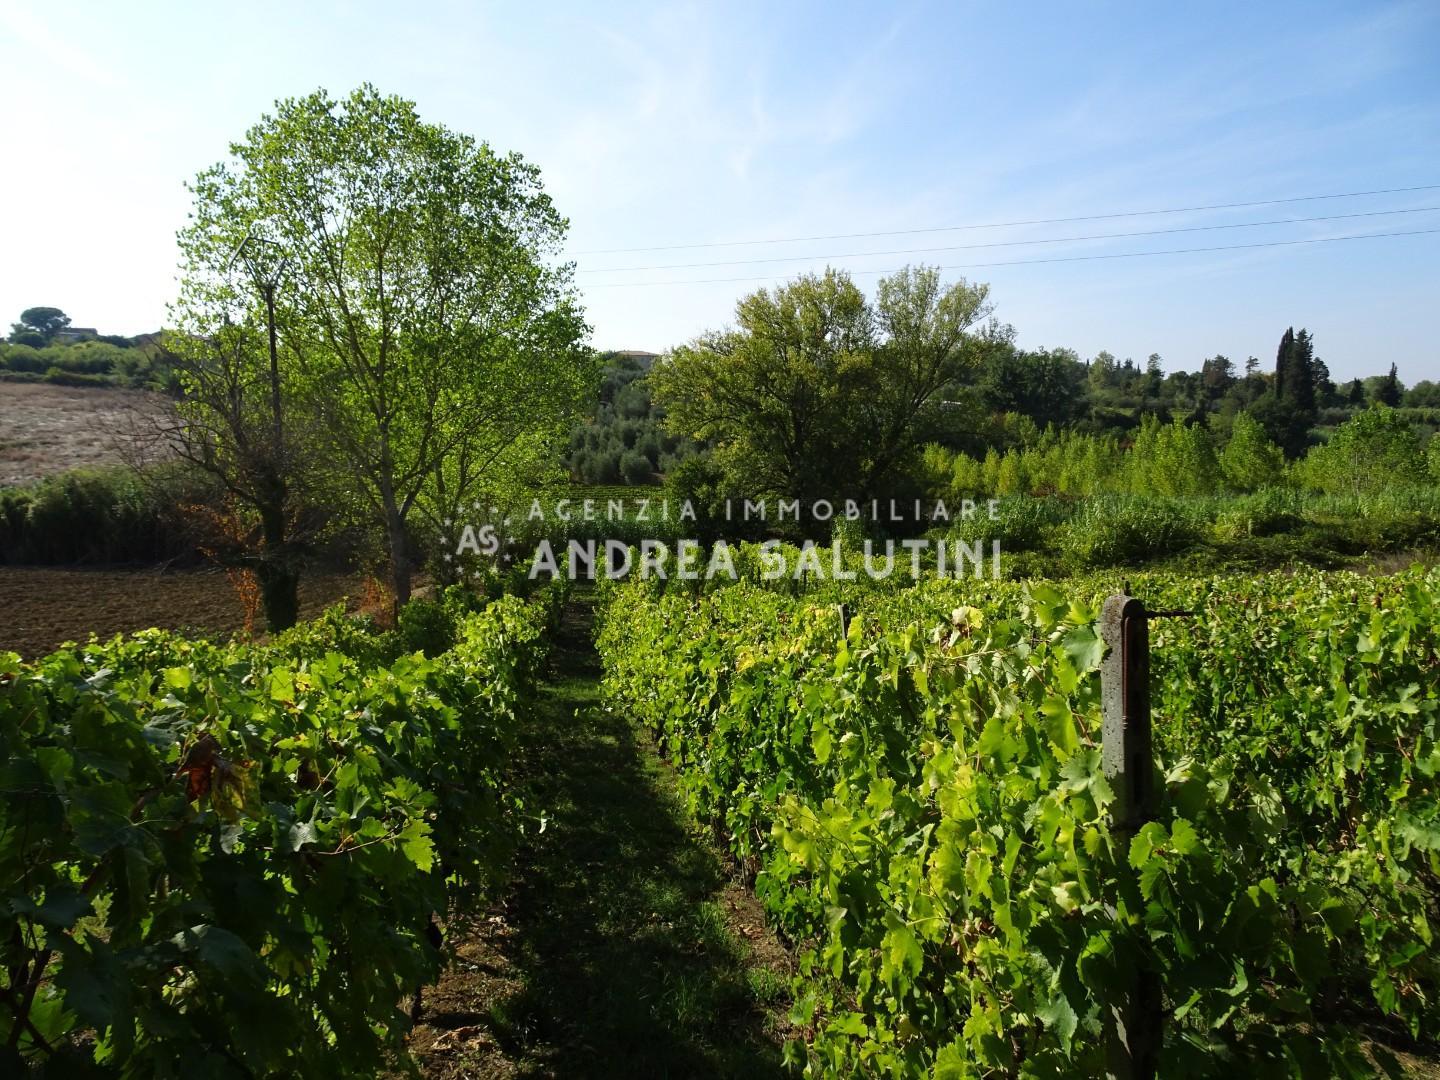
(1285,423)
(1217,375)
(41,323)
(635,468)
(20,357)
(1047,385)
(227,426)
(1171,459)
(1325,391)
(237,420)
(1012,479)
(1190,460)
(1376,449)
(1425,394)
(1154,376)
(428,327)
(1250,461)
(1288,412)
(820,392)
(1103,372)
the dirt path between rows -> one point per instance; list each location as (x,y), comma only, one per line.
(623,947)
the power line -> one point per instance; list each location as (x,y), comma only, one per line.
(1037,262)
(1011,224)
(1014,243)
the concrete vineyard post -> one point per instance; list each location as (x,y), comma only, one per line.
(1132,1021)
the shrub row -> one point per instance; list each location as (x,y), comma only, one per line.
(924,803)
(225,860)
(1102,531)
(98,516)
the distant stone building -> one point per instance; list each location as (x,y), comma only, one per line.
(77,333)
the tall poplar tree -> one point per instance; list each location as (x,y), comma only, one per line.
(430,329)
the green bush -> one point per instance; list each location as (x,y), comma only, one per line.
(306,812)
(22,358)
(923,802)
(61,377)
(86,357)
(1124,532)
(635,468)
(700,482)
(88,363)
(425,626)
(1019,524)
(1250,461)
(1266,513)
(1378,449)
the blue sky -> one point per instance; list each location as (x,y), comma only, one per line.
(678,124)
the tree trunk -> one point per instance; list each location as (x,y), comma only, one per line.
(279,594)
(399,547)
(278,578)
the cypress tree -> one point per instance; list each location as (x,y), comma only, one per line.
(1288,412)
(1295,374)
(1282,363)
(1388,392)
(1302,372)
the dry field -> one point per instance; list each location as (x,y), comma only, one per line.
(48,429)
(41,608)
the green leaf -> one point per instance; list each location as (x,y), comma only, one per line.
(96,987)
(900,952)
(221,951)
(1059,1016)
(820,742)
(1183,838)
(849,1023)
(62,908)
(1420,834)
(302,833)
(1084,647)
(415,842)
(1151,835)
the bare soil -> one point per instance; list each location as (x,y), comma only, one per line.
(42,607)
(47,429)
